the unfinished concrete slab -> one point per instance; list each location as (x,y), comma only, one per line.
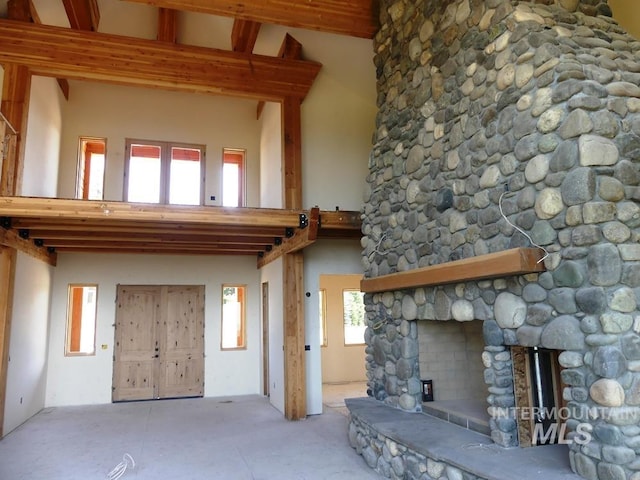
(200,438)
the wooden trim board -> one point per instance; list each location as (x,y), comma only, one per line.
(516,261)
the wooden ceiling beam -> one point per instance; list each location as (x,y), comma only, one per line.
(82,14)
(66,209)
(167,25)
(22,10)
(244,35)
(50,237)
(80,245)
(356,18)
(51,227)
(75,54)
(156,251)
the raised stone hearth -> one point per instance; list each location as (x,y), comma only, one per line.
(495,114)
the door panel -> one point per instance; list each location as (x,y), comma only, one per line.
(137,317)
(159,342)
(182,346)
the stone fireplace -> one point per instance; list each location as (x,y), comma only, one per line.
(506,124)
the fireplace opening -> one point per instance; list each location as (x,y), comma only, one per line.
(541,409)
(450,355)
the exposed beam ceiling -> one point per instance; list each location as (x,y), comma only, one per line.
(74,54)
(42,226)
(353,17)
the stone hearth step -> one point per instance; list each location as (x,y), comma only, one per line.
(464,449)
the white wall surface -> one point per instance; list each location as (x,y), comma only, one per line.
(88,379)
(338,115)
(271,156)
(42,146)
(272,273)
(323,257)
(27,371)
(117,112)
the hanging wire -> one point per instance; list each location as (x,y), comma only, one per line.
(546,253)
(119,470)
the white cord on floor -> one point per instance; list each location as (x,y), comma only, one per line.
(546,253)
(118,470)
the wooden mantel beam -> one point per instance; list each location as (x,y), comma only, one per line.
(356,18)
(516,261)
(80,55)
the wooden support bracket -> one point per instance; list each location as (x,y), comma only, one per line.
(10,238)
(516,261)
(302,238)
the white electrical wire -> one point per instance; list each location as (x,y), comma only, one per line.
(118,470)
(546,253)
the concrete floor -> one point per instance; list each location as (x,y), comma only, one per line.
(205,438)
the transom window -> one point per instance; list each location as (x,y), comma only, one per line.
(164,172)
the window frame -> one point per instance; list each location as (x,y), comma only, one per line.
(83,166)
(165,167)
(322,311)
(243,317)
(70,318)
(228,157)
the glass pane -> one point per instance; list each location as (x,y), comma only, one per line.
(184,176)
(96,178)
(232,317)
(81,321)
(144,174)
(230,184)
(354,324)
(91,164)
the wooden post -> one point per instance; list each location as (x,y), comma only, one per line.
(15,106)
(7,277)
(295,391)
(295,398)
(167,25)
(292,147)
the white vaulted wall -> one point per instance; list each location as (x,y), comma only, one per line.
(27,368)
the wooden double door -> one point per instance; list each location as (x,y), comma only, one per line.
(159,342)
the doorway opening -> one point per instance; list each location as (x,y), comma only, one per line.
(342,325)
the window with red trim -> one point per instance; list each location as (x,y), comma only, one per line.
(233,177)
(164,172)
(91,164)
